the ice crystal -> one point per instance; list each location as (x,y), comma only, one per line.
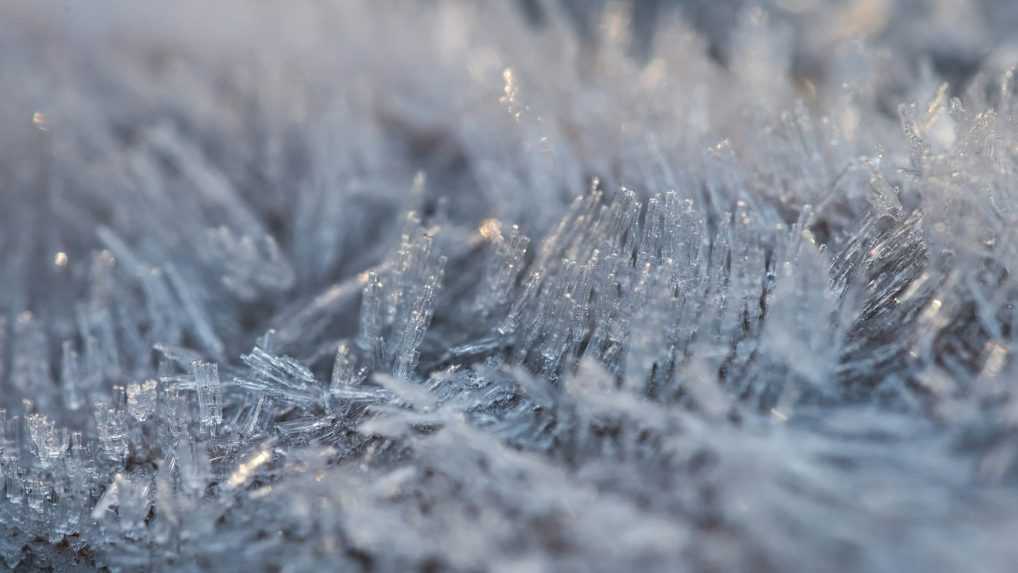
(210,395)
(141,399)
(382,286)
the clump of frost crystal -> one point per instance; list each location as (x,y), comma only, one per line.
(508,286)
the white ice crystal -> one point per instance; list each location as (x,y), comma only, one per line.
(508,286)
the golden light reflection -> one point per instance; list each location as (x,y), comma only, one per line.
(40,121)
(246,469)
(510,93)
(491,229)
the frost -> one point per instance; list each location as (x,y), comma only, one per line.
(399,301)
(509,250)
(111,427)
(141,399)
(343,367)
(279,377)
(249,266)
(70,376)
(50,442)
(210,396)
(649,286)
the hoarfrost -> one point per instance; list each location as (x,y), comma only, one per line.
(454,286)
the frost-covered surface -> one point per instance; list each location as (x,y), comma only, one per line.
(387,286)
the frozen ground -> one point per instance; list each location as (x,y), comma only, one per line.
(490,286)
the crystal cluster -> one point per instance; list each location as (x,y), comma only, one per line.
(498,286)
